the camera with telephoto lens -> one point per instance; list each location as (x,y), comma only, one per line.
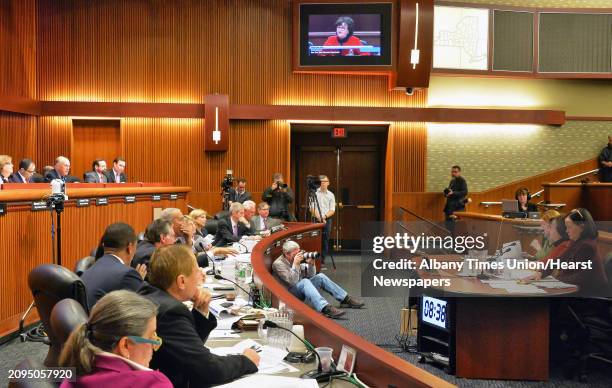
(446,191)
(280,185)
(313,182)
(311,255)
(228,181)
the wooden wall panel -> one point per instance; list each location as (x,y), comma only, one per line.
(172,150)
(410,156)
(54,136)
(18,48)
(94,139)
(17,132)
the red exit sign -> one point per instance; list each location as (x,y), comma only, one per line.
(339,132)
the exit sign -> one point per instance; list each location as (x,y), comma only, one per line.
(339,132)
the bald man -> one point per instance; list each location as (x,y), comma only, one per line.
(60,169)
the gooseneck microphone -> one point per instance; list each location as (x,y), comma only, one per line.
(316,374)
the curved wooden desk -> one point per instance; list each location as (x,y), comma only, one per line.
(26,234)
(494,334)
(375,366)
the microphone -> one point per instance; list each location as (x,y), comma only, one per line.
(318,373)
(277,228)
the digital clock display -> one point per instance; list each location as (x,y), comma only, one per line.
(434,312)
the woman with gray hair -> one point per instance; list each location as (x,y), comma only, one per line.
(114,347)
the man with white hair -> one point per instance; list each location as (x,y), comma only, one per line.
(60,169)
(304,282)
(232,229)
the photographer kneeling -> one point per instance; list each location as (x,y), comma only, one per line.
(305,284)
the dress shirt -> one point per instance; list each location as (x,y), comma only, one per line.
(327,201)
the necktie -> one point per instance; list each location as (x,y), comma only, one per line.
(265,222)
(236,230)
(117,178)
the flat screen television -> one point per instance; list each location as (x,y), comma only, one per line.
(345,34)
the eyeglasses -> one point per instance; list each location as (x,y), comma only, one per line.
(155,341)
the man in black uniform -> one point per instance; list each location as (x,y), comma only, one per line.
(456,197)
(605,162)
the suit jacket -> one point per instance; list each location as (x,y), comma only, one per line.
(110,176)
(457,200)
(182,356)
(114,371)
(235,197)
(144,251)
(225,234)
(109,274)
(256,223)
(16,178)
(53,175)
(93,177)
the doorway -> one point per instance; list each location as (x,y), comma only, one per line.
(355,167)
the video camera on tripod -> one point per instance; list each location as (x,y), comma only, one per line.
(226,185)
(313,182)
(58,195)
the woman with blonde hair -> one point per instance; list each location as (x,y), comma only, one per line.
(199,218)
(6,168)
(114,347)
(544,248)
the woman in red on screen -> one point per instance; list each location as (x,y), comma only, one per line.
(345,26)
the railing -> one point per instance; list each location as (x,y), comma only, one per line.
(433,224)
(539,193)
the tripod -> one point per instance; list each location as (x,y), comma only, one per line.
(56,203)
(226,199)
(312,202)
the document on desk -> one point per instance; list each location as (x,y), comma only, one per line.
(271,359)
(260,380)
(222,333)
(552,283)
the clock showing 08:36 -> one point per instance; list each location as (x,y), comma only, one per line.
(434,312)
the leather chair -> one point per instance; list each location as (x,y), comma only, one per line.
(49,284)
(31,364)
(66,316)
(84,264)
(222,214)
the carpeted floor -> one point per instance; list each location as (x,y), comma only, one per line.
(378,322)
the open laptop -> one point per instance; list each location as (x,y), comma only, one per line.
(510,206)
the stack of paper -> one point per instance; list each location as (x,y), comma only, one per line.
(271,359)
(513,287)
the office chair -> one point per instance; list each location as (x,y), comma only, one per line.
(29,364)
(211,226)
(83,265)
(594,324)
(222,214)
(66,316)
(49,284)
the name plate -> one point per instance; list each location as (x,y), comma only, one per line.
(173,197)
(38,206)
(2,209)
(156,197)
(130,199)
(82,202)
(101,201)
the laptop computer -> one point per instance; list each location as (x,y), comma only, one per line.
(510,206)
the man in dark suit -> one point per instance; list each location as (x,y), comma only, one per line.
(262,221)
(239,194)
(233,228)
(97,175)
(25,172)
(117,173)
(112,271)
(158,234)
(60,169)
(456,197)
(175,278)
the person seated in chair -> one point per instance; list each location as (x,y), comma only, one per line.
(97,173)
(158,234)
(262,221)
(305,282)
(114,347)
(523,197)
(232,229)
(174,279)
(112,270)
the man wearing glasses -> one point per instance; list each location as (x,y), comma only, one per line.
(25,172)
(327,205)
(262,221)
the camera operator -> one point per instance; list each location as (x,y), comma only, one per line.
(300,276)
(279,195)
(239,194)
(327,203)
